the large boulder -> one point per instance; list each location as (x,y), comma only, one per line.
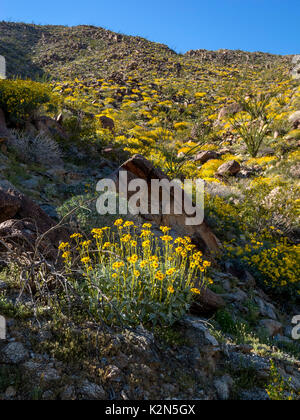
(207,303)
(50,127)
(271,327)
(9,206)
(230,168)
(205,156)
(140,168)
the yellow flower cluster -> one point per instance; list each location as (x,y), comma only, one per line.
(163,270)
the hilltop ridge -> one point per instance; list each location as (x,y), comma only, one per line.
(35,51)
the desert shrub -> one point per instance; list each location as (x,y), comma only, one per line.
(275,263)
(84,215)
(39,148)
(20,99)
(225,321)
(79,128)
(256,106)
(275,204)
(136,278)
(174,163)
(252,132)
(279,389)
(222,216)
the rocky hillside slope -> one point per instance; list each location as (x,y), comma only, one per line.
(86,51)
(104,101)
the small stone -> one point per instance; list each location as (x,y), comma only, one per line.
(113,373)
(204,157)
(3,285)
(50,210)
(68,394)
(92,391)
(223,386)
(10,392)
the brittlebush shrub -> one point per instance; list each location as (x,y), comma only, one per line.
(275,263)
(279,389)
(135,277)
(20,99)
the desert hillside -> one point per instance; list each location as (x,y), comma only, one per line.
(133,307)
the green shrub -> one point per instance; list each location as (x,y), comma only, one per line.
(20,99)
(135,278)
(279,389)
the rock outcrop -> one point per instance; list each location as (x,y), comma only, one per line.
(140,168)
(22,221)
(49,127)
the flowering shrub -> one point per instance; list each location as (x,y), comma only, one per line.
(279,389)
(221,215)
(275,264)
(19,99)
(135,277)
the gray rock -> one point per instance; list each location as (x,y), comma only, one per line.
(31,184)
(10,392)
(282,339)
(295,381)
(3,285)
(271,327)
(92,391)
(266,310)
(15,353)
(56,172)
(41,372)
(197,324)
(288,331)
(50,210)
(239,361)
(68,393)
(223,386)
(255,394)
(6,185)
(238,296)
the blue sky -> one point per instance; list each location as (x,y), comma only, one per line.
(252,25)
